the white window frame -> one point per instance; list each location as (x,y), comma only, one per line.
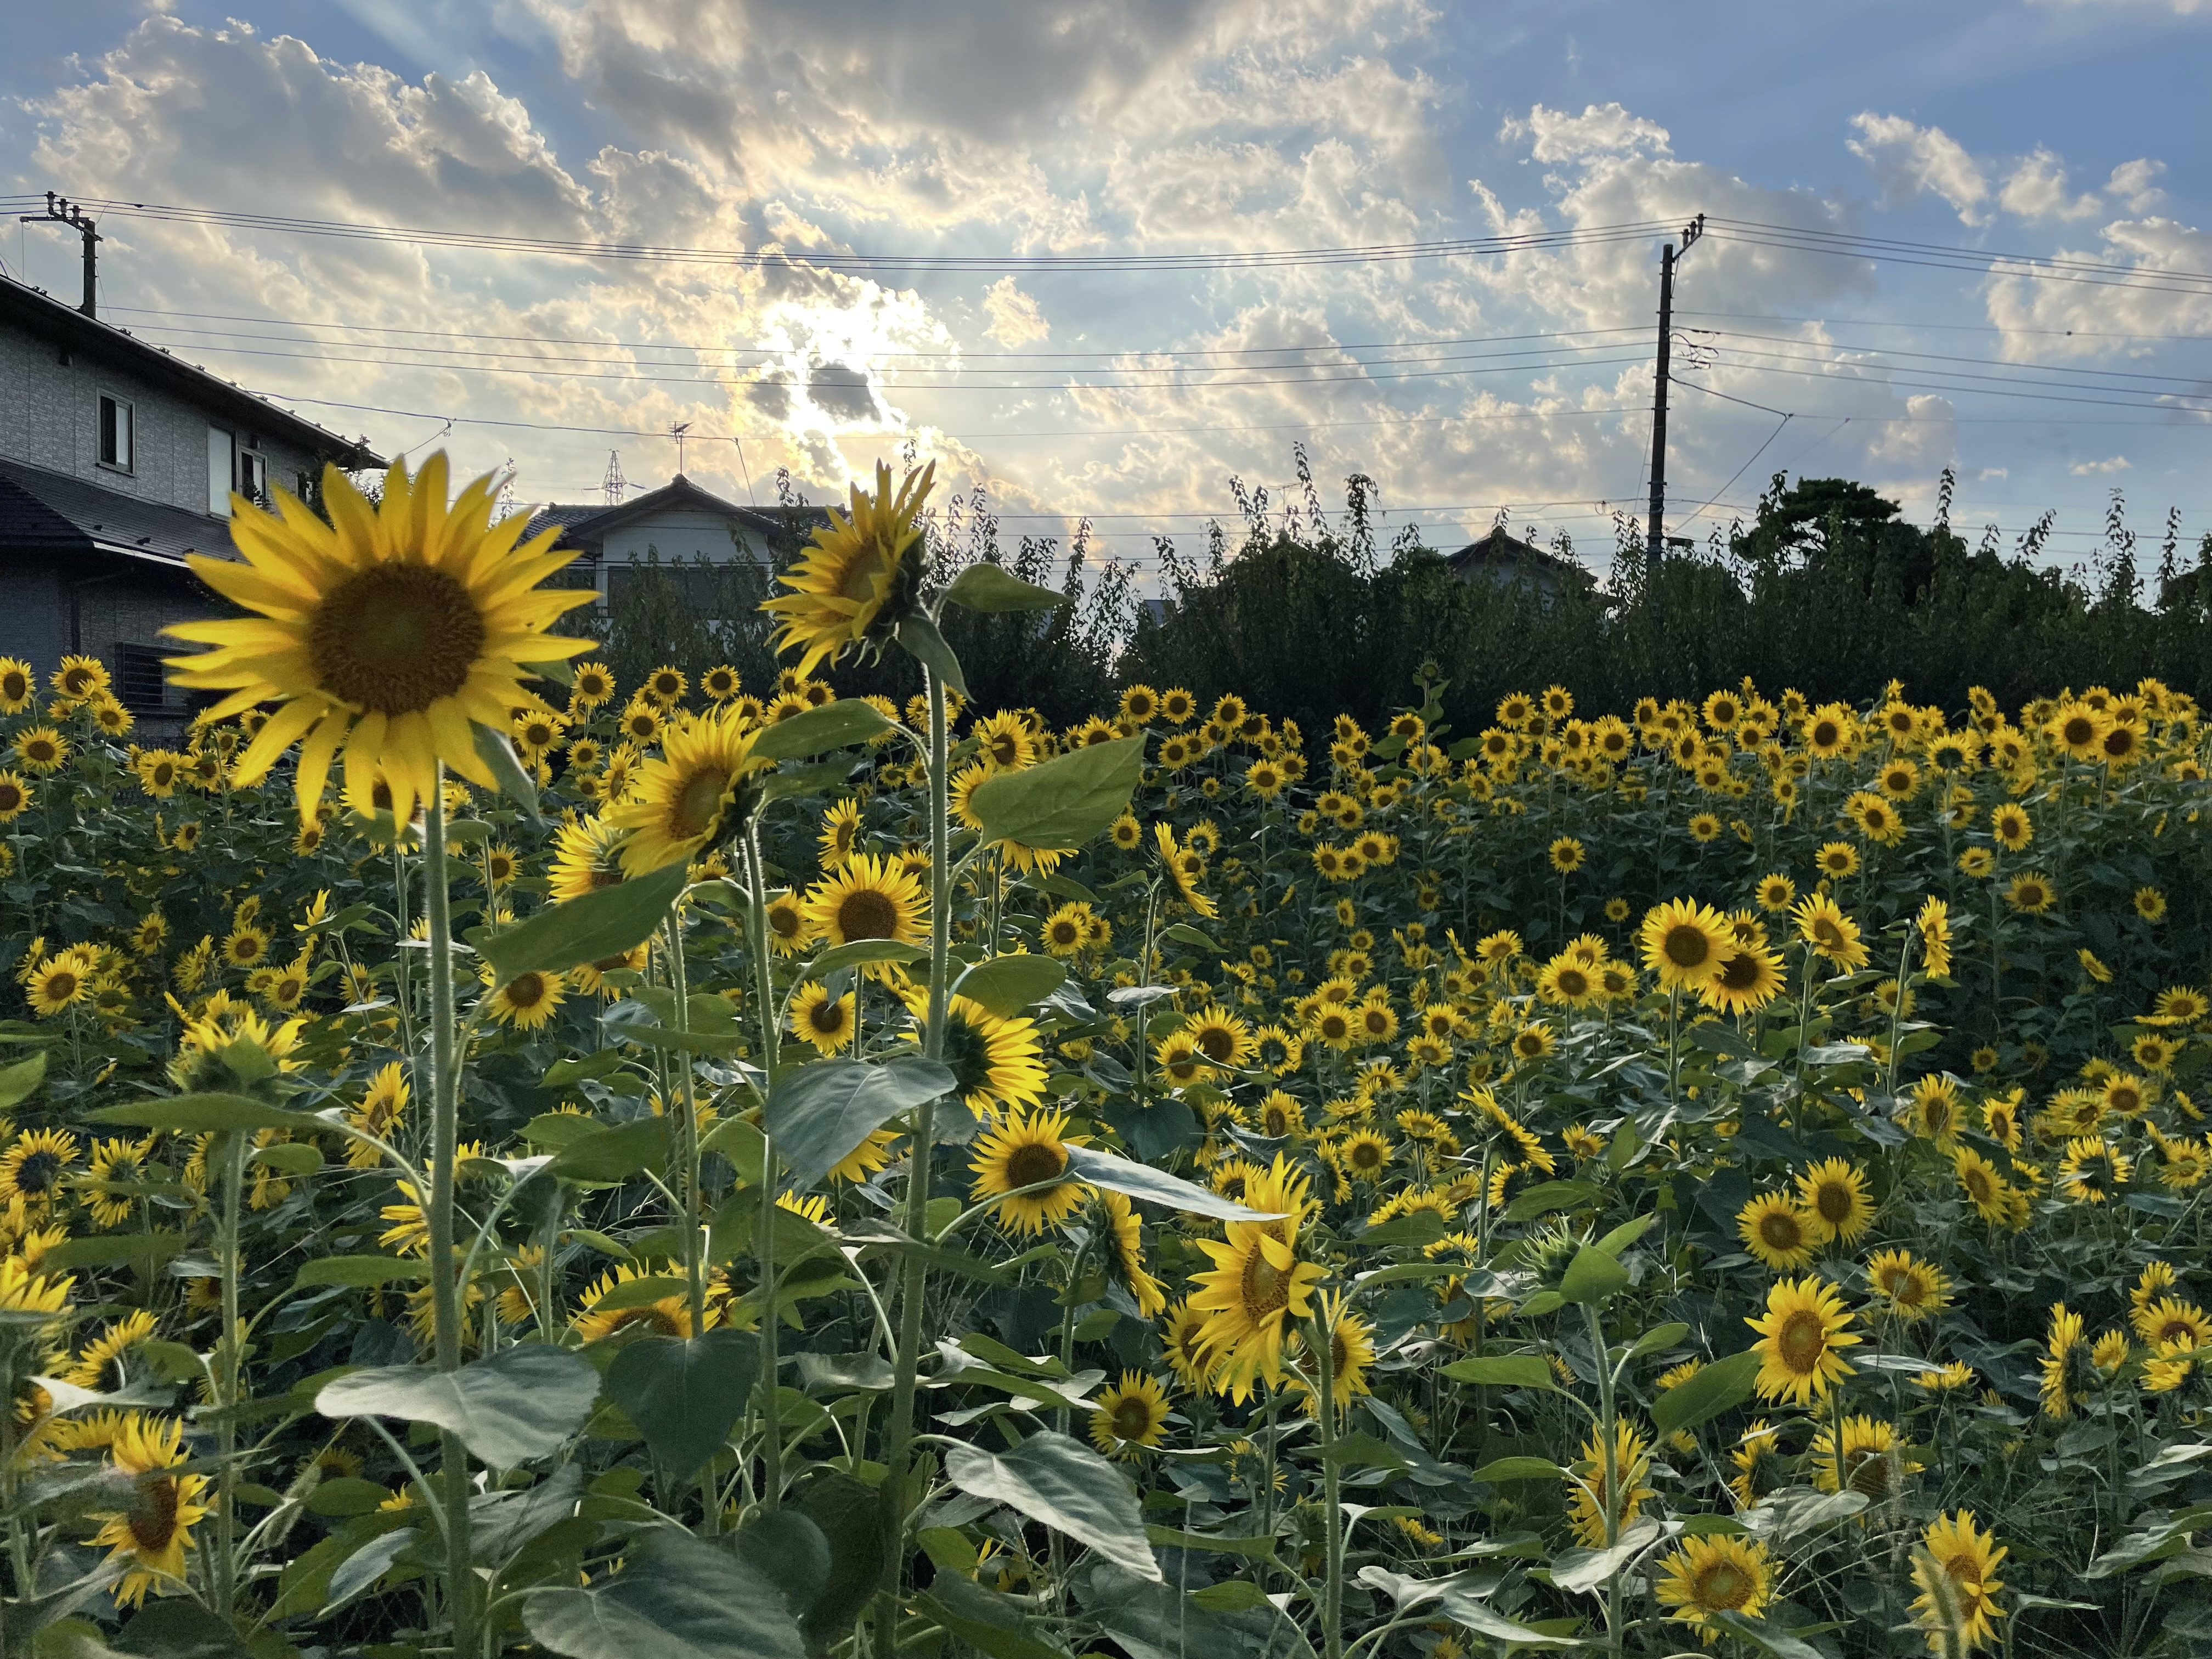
(222,469)
(126,431)
(252,468)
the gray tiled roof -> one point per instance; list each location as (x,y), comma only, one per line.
(52,512)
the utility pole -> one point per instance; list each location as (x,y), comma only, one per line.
(1656,541)
(63,212)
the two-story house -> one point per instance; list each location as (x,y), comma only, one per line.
(684,529)
(117,460)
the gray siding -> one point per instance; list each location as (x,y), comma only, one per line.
(50,417)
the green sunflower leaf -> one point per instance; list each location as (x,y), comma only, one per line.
(1061,803)
(989,588)
(496,751)
(1716,1389)
(591,928)
(1065,1485)
(1006,985)
(677,1597)
(818,1114)
(845,723)
(519,1404)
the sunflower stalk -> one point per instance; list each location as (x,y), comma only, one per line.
(771,1494)
(1332,1609)
(228,1372)
(445,1135)
(898,1434)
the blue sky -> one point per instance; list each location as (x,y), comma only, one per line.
(1040,128)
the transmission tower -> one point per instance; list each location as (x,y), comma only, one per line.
(614,484)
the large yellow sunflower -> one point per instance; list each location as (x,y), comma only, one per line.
(1968,1556)
(1685,943)
(997,1061)
(1722,1573)
(868,898)
(1801,1334)
(1833,1194)
(387,632)
(1257,1289)
(1130,1416)
(1025,1149)
(680,798)
(151,1536)
(852,586)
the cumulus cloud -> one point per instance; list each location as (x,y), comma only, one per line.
(2099,469)
(1601,129)
(1015,318)
(1908,158)
(2036,189)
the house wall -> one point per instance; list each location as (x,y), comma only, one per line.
(50,417)
(679,536)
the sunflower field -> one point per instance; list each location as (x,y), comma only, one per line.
(498,1160)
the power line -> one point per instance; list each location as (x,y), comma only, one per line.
(1975,328)
(777,256)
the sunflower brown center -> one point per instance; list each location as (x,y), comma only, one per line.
(153,1514)
(395,638)
(1779,1230)
(1265,1288)
(1832,1200)
(866,913)
(1686,946)
(1218,1043)
(697,803)
(1034,1162)
(1722,1587)
(36,1172)
(1133,1418)
(827,1016)
(783,920)
(1802,1340)
(526,990)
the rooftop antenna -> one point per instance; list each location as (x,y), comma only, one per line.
(677,432)
(614,484)
(506,487)
(63,212)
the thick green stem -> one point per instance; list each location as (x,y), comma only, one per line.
(228,1372)
(898,1434)
(1332,1605)
(1609,1444)
(771,1359)
(445,1137)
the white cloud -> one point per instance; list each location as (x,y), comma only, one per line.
(2099,469)
(2130,184)
(1600,130)
(2036,189)
(2084,319)
(1908,158)
(1015,318)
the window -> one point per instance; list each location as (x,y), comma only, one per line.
(140,684)
(222,471)
(115,432)
(253,475)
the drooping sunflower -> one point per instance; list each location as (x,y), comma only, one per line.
(861,576)
(2091,1171)
(1180,875)
(1721,1573)
(1775,1231)
(1352,1353)
(102,1364)
(1683,942)
(824,1021)
(1967,1557)
(378,1114)
(1834,1195)
(18,685)
(150,1537)
(1801,1334)
(1586,1484)
(1122,1236)
(114,1171)
(1025,1149)
(385,633)
(1182,1330)
(841,832)
(787,930)
(1131,1416)
(1984,1188)
(869,897)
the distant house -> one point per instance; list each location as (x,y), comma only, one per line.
(1503,559)
(117,460)
(682,528)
